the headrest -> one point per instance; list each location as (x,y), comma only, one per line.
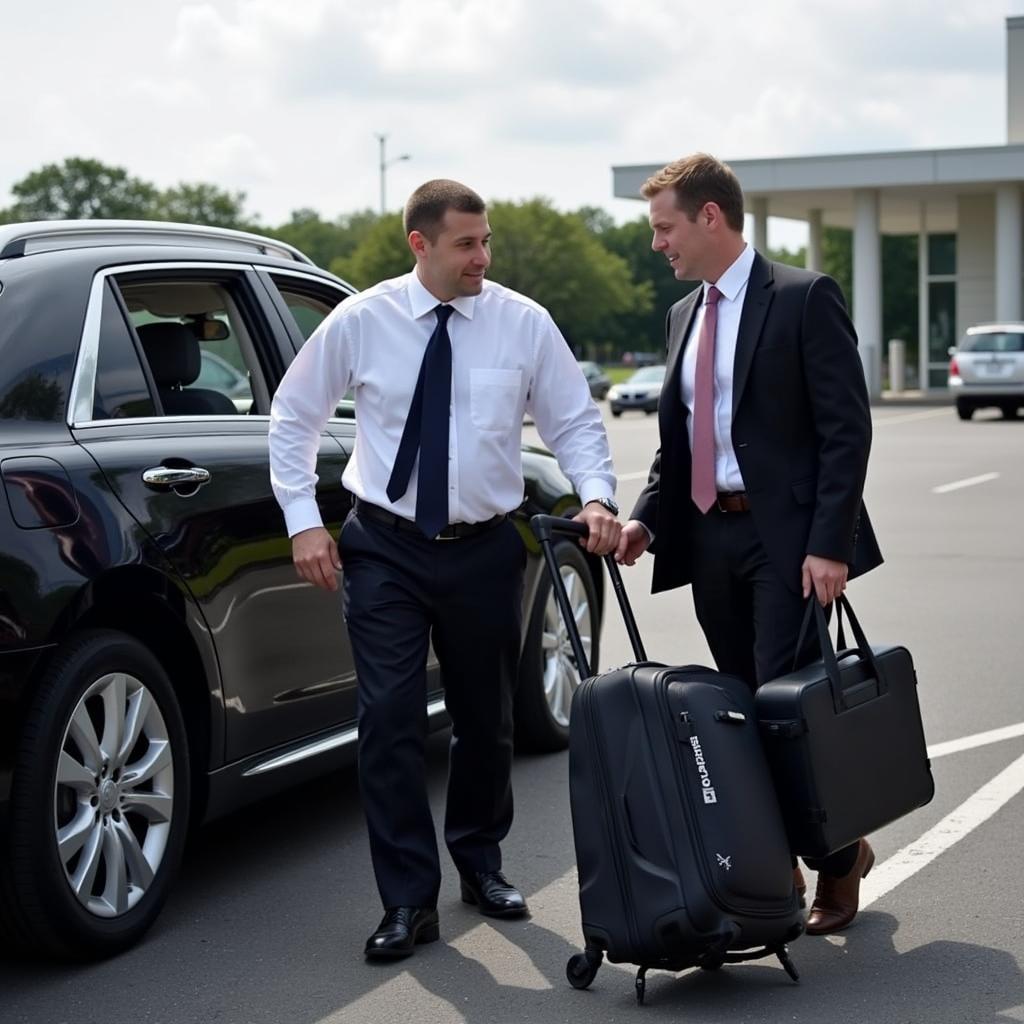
(172,351)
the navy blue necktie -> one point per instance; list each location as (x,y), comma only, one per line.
(426,432)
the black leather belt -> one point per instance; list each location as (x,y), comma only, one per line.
(732,501)
(455,531)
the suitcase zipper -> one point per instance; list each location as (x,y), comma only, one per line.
(684,729)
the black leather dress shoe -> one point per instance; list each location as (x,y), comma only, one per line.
(493,894)
(400,930)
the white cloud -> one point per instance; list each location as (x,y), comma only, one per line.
(525,97)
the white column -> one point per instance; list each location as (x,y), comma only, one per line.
(1009,235)
(923,308)
(867,285)
(814,254)
(761,224)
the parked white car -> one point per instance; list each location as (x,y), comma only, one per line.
(987,369)
(641,391)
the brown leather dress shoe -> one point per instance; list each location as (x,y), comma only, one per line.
(836,899)
(800,884)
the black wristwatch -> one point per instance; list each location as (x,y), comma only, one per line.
(606,503)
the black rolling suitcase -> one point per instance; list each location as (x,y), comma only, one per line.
(680,845)
(844,739)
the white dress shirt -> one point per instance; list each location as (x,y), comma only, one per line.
(508,357)
(733,286)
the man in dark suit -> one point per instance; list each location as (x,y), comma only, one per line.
(754,496)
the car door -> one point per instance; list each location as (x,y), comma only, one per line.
(302,301)
(191,465)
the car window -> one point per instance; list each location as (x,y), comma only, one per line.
(309,308)
(1008,341)
(196,344)
(648,375)
(121,389)
(309,303)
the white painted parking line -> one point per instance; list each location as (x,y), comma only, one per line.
(974,811)
(979,739)
(909,417)
(971,481)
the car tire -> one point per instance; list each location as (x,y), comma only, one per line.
(548,675)
(1010,411)
(99,803)
(616,413)
(964,409)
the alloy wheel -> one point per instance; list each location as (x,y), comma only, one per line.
(561,673)
(113,795)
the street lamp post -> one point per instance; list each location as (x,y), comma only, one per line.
(384,165)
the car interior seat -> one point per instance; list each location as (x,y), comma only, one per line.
(172,351)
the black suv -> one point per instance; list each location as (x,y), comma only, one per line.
(160,661)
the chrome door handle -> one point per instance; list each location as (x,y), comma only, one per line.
(162,478)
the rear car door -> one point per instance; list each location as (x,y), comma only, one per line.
(302,301)
(191,465)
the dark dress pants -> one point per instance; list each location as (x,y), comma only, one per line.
(400,593)
(750,618)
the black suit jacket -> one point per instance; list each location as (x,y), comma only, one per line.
(801,429)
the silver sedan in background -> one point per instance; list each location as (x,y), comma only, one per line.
(987,369)
(641,391)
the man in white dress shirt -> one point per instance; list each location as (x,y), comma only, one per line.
(443,365)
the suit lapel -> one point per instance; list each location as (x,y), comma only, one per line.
(677,345)
(760,291)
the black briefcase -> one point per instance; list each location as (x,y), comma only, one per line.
(844,739)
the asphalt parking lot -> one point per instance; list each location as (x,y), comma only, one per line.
(268,920)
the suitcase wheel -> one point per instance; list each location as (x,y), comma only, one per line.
(582,968)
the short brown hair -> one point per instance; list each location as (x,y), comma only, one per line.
(426,207)
(696,180)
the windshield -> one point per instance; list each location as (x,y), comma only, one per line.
(648,375)
(1003,341)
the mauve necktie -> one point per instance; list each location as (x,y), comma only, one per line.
(702,479)
(426,432)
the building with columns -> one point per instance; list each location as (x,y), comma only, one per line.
(964,205)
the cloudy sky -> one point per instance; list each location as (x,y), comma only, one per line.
(282,99)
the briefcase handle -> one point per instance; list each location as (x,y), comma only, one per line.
(544,529)
(828,652)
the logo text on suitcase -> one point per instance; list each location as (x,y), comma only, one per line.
(707,789)
(724,862)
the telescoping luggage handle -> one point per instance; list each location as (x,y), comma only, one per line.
(544,529)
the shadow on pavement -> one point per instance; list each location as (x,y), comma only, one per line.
(269,917)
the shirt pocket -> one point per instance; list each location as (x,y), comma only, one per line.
(494,398)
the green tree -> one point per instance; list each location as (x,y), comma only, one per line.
(900,292)
(642,329)
(325,241)
(382,253)
(792,257)
(201,203)
(81,188)
(837,259)
(555,259)
(598,221)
